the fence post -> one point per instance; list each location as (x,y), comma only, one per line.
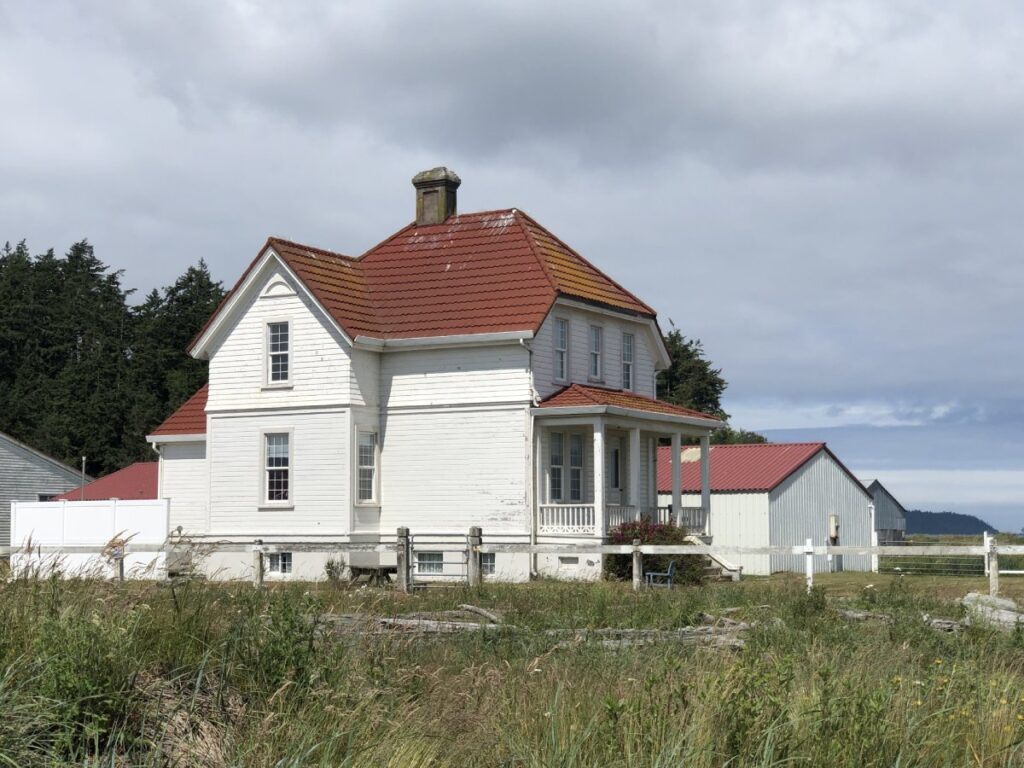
(473,570)
(809,564)
(120,565)
(993,568)
(874,555)
(638,566)
(986,543)
(257,563)
(402,557)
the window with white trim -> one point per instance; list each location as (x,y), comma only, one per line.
(430,562)
(278,349)
(627,360)
(596,351)
(561,349)
(556,463)
(576,467)
(277,467)
(279,562)
(367,460)
(487,561)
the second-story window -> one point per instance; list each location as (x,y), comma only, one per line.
(596,352)
(561,349)
(278,353)
(627,361)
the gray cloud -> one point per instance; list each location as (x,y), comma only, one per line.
(826,193)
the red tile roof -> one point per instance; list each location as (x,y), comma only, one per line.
(137,481)
(189,419)
(483,272)
(577,395)
(757,467)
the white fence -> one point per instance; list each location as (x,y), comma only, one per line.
(74,536)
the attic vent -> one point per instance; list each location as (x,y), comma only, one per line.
(435,195)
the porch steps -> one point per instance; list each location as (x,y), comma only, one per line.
(718,568)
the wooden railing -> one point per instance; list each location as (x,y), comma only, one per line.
(617,514)
(566,519)
(692,519)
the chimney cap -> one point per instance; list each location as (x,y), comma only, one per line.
(436,176)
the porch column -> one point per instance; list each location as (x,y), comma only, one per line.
(599,477)
(540,486)
(677,477)
(634,471)
(705,480)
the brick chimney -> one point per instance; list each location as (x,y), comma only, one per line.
(435,195)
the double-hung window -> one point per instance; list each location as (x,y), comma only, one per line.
(561,349)
(278,353)
(430,562)
(596,352)
(367,479)
(627,361)
(557,464)
(487,563)
(277,467)
(575,467)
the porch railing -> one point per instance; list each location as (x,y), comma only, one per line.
(572,519)
(579,519)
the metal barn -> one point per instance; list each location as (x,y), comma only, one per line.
(777,494)
(890,516)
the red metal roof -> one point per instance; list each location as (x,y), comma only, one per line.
(577,395)
(189,419)
(483,272)
(137,481)
(755,467)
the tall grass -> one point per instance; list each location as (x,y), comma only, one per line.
(207,674)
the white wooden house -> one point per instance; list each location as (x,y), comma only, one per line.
(890,516)
(777,494)
(28,475)
(472,369)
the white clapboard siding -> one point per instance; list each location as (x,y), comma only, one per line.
(800,507)
(24,475)
(320,476)
(447,469)
(364,377)
(319,357)
(579,351)
(185,479)
(453,376)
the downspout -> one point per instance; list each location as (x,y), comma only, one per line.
(535,400)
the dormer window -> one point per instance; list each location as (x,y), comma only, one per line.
(561,349)
(278,353)
(596,352)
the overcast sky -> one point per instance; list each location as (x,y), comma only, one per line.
(827,194)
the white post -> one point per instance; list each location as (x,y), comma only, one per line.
(705,480)
(599,477)
(987,545)
(677,478)
(634,471)
(993,568)
(809,564)
(874,555)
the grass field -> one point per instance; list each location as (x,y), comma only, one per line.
(216,675)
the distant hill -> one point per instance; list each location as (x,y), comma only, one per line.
(939,523)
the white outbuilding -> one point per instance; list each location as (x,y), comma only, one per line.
(777,494)
(890,516)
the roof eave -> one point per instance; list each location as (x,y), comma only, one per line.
(631,413)
(457,340)
(198,437)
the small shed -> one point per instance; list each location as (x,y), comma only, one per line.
(28,475)
(890,516)
(777,494)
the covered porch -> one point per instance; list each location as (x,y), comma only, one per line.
(596,463)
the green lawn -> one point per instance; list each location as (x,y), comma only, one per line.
(212,675)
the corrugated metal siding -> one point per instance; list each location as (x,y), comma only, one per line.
(799,509)
(23,476)
(888,512)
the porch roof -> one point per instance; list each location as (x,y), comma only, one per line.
(579,399)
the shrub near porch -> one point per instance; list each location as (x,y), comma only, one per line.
(689,568)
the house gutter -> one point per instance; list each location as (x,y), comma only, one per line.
(439,342)
(614,410)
